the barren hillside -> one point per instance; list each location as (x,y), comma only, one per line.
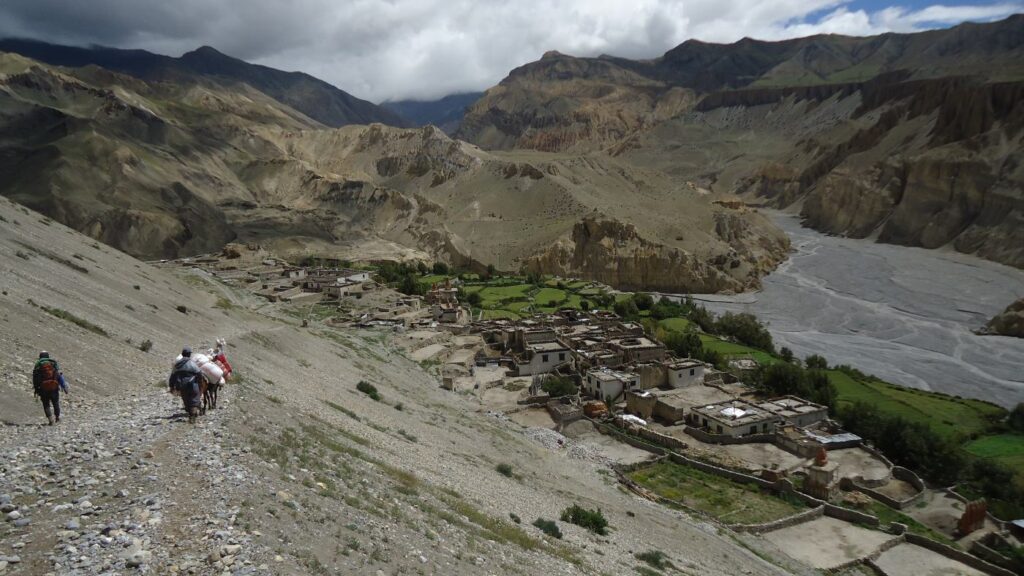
(911,139)
(164,169)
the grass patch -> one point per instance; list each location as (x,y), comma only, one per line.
(80,322)
(728,349)
(730,502)
(655,559)
(676,324)
(344,410)
(946,415)
(1006,449)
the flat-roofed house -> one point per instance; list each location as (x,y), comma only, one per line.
(638,349)
(541,358)
(685,373)
(735,418)
(602,383)
(796,411)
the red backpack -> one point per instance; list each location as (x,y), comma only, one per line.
(49,378)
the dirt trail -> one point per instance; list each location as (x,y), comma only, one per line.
(121,484)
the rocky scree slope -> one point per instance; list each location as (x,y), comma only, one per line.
(296,472)
(161,169)
(912,139)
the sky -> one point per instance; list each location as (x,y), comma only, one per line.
(425,49)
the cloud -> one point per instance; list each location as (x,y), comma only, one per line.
(392,49)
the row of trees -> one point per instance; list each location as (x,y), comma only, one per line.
(785,378)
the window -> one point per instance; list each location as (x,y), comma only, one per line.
(544,358)
(764,427)
(561,356)
(691,371)
(753,429)
(719,428)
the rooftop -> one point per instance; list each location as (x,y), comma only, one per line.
(735,413)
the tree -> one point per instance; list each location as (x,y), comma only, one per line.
(440,268)
(556,386)
(421,267)
(1016,418)
(409,285)
(643,301)
(786,354)
(745,329)
(474,299)
(585,305)
(491,271)
(686,344)
(627,308)
(816,362)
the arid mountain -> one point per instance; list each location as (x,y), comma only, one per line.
(311,96)
(911,139)
(162,169)
(445,113)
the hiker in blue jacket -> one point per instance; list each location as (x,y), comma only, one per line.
(48,382)
(185,379)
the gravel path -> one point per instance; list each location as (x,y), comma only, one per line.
(123,485)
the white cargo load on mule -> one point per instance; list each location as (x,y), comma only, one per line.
(211,371)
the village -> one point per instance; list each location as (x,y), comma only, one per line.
(591,385)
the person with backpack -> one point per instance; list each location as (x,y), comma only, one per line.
(48,382)
(185,379)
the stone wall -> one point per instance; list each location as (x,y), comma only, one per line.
(849,515)
(719,471)
(631,440)
(958,555)
(799,518)
(709,438)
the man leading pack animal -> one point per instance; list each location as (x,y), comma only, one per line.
(48,383)
(187,380)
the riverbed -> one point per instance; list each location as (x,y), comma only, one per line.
(902,314)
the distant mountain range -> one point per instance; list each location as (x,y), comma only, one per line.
(445,113)
(646,175)
(313,97)
(912,139)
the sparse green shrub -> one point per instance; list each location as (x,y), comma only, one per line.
(515,518)
(654,559)
(81,322)
(181,308)
(137,287)
(592,520)
(368,389)
(504,469)
(399,407)
(146,345)
(548,527)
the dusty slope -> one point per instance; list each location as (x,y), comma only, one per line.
(912,139)
(355,486)
(160,169)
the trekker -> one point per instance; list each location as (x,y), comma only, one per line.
(185,379)
(48,382)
